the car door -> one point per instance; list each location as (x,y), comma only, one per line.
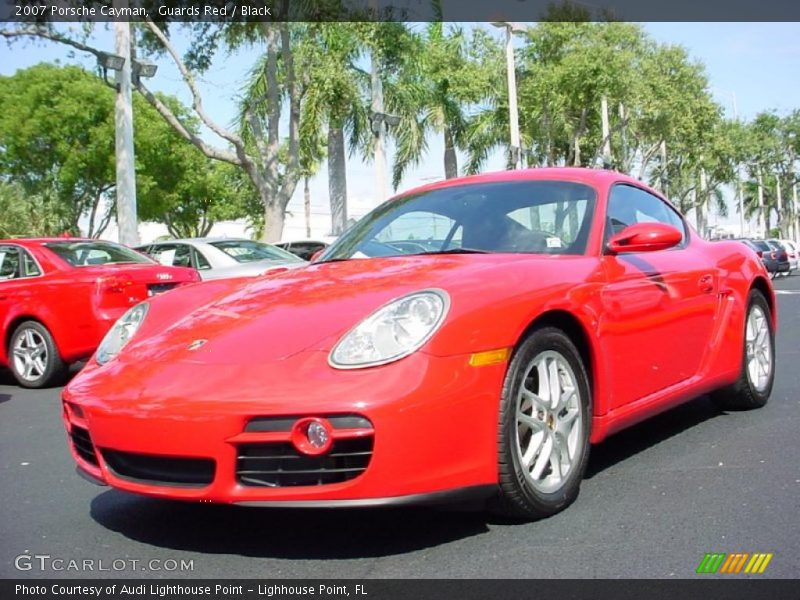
(19,273)
(658,306)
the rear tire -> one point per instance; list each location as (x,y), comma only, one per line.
(543,429)
(754,385)
(33,357)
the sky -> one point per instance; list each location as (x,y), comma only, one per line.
(750,66)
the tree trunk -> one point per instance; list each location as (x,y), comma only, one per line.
(450,157)
(796,213)
(307,205)
(762,213)
(606,131)
(779,199)
(577,139)
(700,206)
(274,216)
(623,140)
(379,131)
(337,179)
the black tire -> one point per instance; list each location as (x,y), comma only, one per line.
(745,394)
(519,497)
(54,371)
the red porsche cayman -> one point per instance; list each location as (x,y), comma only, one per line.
(468,339)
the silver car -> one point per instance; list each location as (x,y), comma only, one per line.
(220,258)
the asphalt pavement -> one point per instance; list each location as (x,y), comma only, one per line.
(656,499)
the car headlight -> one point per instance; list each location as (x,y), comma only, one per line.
(393,331)
(121,333)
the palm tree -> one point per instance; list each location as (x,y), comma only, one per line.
(447,74)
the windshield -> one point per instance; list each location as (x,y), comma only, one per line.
(245,251)
(537,217)
(85,254)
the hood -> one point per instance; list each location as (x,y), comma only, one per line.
(278,316)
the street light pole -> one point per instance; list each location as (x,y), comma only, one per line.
(739,193)
(513,112)
(123,120)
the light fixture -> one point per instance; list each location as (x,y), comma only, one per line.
(115,62)
(143,68)
(376,118)
(106,61)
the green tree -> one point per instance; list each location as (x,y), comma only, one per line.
(333,98)
(189,192)
(57,141)
(57,146)
(447,73)
(23,214)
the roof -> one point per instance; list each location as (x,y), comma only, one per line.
(48,240)
(577,174)
(203,240)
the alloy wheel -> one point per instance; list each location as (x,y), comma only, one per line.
(549,422)
(758,348)
(30,355)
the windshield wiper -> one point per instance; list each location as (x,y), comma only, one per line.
(402,254)
(329,260)
(451,251)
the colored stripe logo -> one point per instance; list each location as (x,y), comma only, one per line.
(735,563)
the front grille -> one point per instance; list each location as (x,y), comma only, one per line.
(157,288)
(82,442)
(164,470)
(279,464)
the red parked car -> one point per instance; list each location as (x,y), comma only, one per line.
(536,313)
(59,297)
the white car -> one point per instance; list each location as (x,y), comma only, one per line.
(220,258)
(793,250)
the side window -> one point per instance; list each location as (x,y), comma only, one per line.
(200,260)
(183,257)
(164,254)
(31,268)
(628,205)
(9,263)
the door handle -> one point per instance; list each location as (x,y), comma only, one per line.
(706,283)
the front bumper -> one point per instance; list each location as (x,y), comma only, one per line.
(434,425)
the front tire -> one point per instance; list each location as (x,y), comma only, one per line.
(543,429)
(34,358)
(754,385)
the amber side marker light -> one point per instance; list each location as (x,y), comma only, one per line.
(490,357)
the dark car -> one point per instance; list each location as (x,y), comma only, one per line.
(782,257)
(767,255)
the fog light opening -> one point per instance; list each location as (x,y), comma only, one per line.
(312,436)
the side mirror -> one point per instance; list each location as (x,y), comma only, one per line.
(645,237)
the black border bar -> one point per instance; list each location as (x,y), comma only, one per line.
(54,11)
(718,588)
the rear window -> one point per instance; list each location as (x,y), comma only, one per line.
(761,245)
(86,254)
